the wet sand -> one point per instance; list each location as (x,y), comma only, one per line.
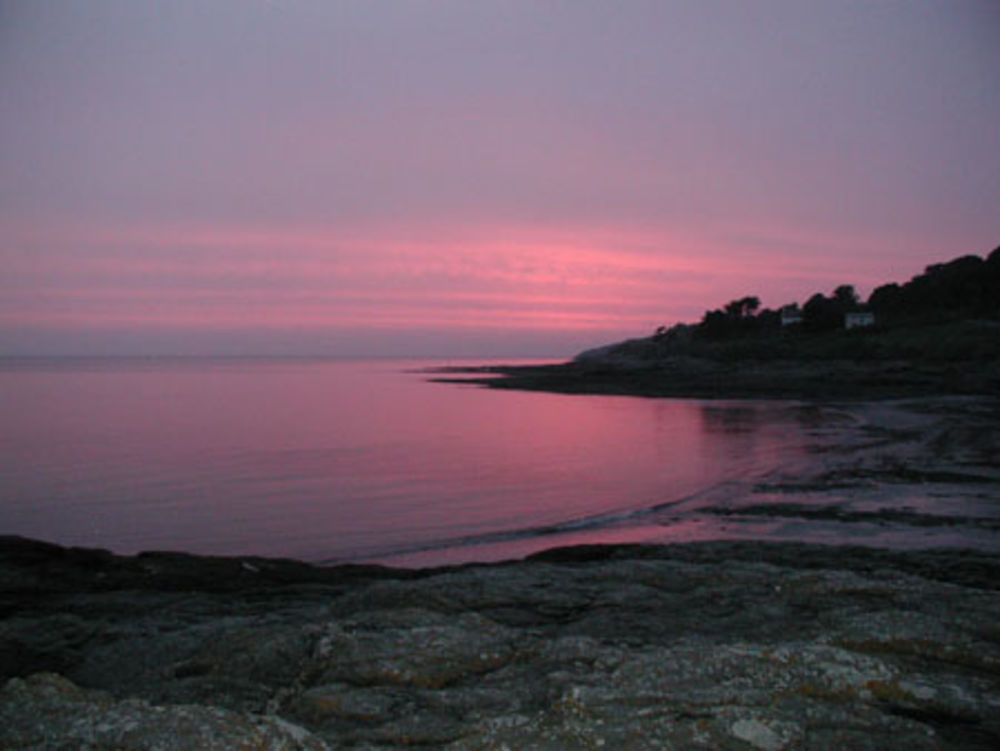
(896,456)
(905,474)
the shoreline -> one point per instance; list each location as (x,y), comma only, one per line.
(37,568)
(687,377)
(904,474)
(742,645)
(897,474)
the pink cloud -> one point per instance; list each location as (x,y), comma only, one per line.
(596,281)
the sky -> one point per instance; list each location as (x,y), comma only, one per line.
(474,179)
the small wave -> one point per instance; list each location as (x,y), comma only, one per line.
(587,523)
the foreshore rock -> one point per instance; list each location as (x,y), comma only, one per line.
(715,646)
(47,711)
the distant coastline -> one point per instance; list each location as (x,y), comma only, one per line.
(938,334)
(709,378)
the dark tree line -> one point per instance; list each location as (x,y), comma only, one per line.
(966,287)
(827,313)
(736,318)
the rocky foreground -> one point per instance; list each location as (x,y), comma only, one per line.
(715,646)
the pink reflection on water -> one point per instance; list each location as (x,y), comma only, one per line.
(343,460)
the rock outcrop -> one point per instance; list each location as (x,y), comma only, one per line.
(46,711)
(721,646)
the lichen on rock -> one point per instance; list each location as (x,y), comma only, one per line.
(46,711)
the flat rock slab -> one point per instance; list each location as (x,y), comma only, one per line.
(46,711)
(715,646)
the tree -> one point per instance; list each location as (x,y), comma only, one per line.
(821,313)
(743,308)
(885,300)
(964,287)
(846,297)
(733,319)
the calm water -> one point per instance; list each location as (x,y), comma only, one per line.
(349,460)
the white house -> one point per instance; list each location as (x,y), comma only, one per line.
(859,319)
(791,315)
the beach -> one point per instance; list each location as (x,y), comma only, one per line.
(725,644)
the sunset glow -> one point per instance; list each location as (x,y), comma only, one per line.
(472,179)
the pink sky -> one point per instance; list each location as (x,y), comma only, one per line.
(474,179)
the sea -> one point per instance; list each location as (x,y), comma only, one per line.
(331,461)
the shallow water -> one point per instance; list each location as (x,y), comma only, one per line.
(329,460)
